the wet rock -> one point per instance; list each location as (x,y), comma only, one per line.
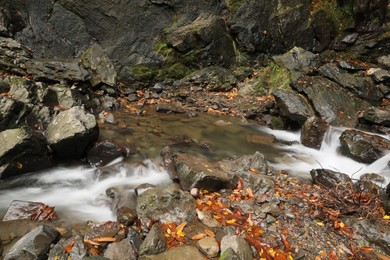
(154,242)
(20,209)
(105,116)
(298,61)
(22,151)
(374,115)
(229,254)
(168,204)
(371,232)
(71,132)
(167,161)
(239,246)
(120,250)
(212,78)
(198,172)
(362,86)
(33,245)
(143,187)
(163,107)
(56,70)
(335,105)
(126,216)
(107,229)
(313,131)
(363,147)
(207,38)
(261,139)
(329,179)
(104,153)
(379,75)
(100,68)
(12,113)
(208,246)
(293,106)
(182,252)
(13,56)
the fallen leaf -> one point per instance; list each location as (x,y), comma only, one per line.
(198,236)
(103,239)
(69,247)
(209,232)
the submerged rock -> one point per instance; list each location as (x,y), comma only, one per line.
(34,245)
(363,147)
(71,132)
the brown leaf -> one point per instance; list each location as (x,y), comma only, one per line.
(69,247)
(209,232)
(198,236)
(383,257)
(103,239)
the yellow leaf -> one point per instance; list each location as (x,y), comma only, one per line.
(342,224)
(231,221)
(180,227)
(386,217)
(321,224)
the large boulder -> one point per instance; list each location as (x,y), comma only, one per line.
(335,105)
(293,106)
(198,172)
(71,132)
(363,147)
(168,204)
(22,151)
(34,245)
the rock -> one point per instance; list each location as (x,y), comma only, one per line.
(298,61)
(154,242)
(377,116)
(33,245)
(56,70)
(363,147)
(182,252)
(143,187)
(207,38)
(198,172)
(99,66)
(20,209)
(126,216)
(66,96)
(329,179)
(168,204)
(239,246)
(163,107)
(79,250)
(22,151)
(335,105)
(104,153)
(23,90)
(229,254)
(208,246)
(167,162)
(212,78)
(362,86)
(313,132)
(13,56)
(270,208)
(293,106)
(379,75)
(12,113)
(206,218)
(120,250)
(371,232)
(384,61)
(71,132)
(107,229)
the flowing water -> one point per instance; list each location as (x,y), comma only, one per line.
(79,192)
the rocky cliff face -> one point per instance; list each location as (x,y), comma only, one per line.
(150,38)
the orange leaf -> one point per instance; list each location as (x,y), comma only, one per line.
(199,236)
(69,247)
(180,227)
(104,239)
(209,232)
(285,242)
(366,248)
(332,255)
(383,257)
(250,193)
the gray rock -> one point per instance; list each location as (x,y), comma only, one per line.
(384,61)
(99,66)
(212,78)
(121,250)
(198,172)
(168,204)
(335,105)
(12,113)
(208,246)
(313,131)
(270,208)
(329,179)
(163,107)
(20,209)
(167,161)
(22,151)
(363,147)
(104,153)
(206,218)
(379,75)
(293,106)
(374,115)
(298,61)
(79,250)
(33,245)
(229,254)
(71,132)
(239,246)
(182,252)
(126,216)
(362,86)
(154,243)
(23,90)
(65,96)
(13,56)
(56,70)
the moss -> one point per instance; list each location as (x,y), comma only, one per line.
(233,5)
(271,78)
(142,72)
(341,12)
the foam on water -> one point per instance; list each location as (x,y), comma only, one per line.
(299,160)
(77,191)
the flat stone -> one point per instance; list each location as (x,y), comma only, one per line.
(208,246)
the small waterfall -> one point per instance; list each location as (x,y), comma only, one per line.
(299,160)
